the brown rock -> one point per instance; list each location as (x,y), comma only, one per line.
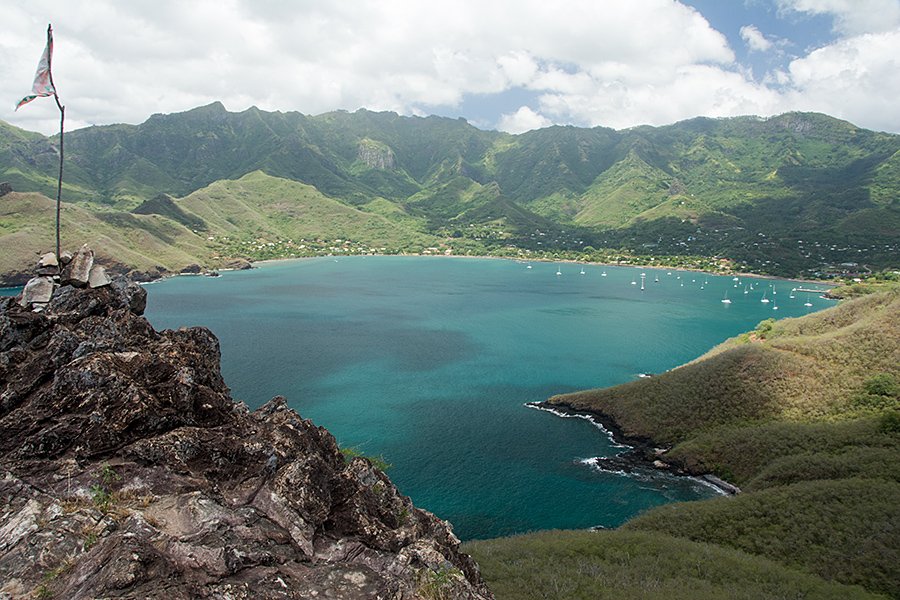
(37,290)
(98,277)
(78,271)
(48,265)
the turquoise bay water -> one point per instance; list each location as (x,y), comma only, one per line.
(430,362)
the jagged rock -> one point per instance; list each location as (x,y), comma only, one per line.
(37,290)
(98,277)
(78,271)
(48,259)
(126,470)
(48,265)
(65,257)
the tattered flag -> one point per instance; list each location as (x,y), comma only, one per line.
(43,83)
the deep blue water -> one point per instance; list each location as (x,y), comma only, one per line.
(430,362)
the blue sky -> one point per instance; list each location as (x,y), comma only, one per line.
(512,65)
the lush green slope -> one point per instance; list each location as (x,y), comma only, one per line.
(639,565)
(799,175)
(804,415)
(258,206)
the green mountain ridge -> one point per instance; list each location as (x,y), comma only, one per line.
(798,176)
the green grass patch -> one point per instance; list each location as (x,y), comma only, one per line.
(638,565)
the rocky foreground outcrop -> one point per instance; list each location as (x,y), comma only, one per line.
(127,471)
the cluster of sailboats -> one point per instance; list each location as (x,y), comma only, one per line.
(726,300)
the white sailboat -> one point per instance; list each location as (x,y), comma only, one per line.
(559,270)
(808,303)
(764,299)
(725,300)
(582,269)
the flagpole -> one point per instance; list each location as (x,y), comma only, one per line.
(62,119)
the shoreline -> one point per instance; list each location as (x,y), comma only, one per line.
(518,260)
(641,451)
(563,261)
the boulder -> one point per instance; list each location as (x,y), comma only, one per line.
(98,277)
(37,290)
(48,259)
(48,265)
(78,271)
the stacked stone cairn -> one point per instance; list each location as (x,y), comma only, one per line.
(78,270)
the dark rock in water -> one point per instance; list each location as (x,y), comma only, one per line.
(127,471)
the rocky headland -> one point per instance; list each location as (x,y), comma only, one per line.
(128,471)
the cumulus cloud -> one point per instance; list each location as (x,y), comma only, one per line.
(754,39)
(523,120)
(614,63)
(124,61)
(851,17)
(855,78)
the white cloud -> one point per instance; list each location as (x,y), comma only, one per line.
(852,17)
(688,92)
(856,79)
(754,39)
(523,120)
(614,63)
(118,61)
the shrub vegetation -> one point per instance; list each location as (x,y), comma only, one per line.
(802,414)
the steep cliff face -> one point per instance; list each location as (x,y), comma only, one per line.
(376,156)
(127,471)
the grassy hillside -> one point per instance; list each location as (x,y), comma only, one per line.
(796,178)
(640,565)
(209,228)
(258,206)
(810,368)
(804,415)
(123,242)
